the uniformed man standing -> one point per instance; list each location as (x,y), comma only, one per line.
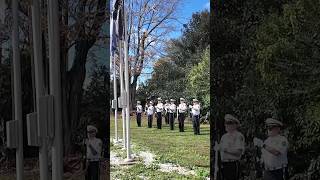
(196,116)
(166,108)
(182,108)
(159,109)
(94,149)
(274,152)
(172,111)
(232,146)
(150,112)
(139,112)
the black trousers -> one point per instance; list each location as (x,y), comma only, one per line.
(171,120)
(279,174)
(230,170)
(150,117)
(181,119)
(196,124)
(139,119)
(159,120)
(93,171)
(166,118)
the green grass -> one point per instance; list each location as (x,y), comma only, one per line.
(183,148)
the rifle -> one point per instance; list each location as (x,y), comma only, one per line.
(216,167)
(178,113)
(93,151)
(257,163)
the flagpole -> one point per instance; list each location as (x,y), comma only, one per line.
(39,86)
(122,92)
(17,89)
(127,81)
(55,88)
(114,89)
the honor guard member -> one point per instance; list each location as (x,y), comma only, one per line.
(139,112)
(166,108)
(172,111)
(274,152)
(159,109)
(94,149)
(182,108)
(150,112)
(232,146)
(196,116)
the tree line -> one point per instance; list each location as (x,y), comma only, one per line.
(265,63)
(183,69)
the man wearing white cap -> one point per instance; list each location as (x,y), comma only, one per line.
(139,112)
(182,108)
(232,146)
(172,111)
(274,152)
(159,109)
(166,108)
(150,113)
(94,149)
(196,116)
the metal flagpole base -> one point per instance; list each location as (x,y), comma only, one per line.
(128,161)
(118,142)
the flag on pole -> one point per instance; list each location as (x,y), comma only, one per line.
(117,30)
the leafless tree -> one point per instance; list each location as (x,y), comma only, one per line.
(149,24)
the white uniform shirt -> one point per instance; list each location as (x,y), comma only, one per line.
(96,144)
(139,108)
(172,108)
(182,108)
(232,141)
(150,110)
(195,109)
(166,107)
(159,107)
(271,161)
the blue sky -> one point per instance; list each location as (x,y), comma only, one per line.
(185,11)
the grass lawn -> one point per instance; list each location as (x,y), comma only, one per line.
(183,148)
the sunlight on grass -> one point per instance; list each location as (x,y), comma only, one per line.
(183,148)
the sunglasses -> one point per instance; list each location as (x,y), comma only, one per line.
(91,132)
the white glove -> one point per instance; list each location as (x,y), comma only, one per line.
(257,142)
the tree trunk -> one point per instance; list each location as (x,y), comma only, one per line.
(75,78)
(64,68)
(133,91)
(72,81)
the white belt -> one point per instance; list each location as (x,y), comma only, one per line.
(93,159)
(275,168)
(230,160)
